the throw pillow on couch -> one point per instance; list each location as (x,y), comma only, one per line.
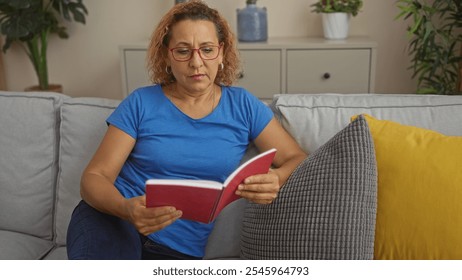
(325,210)
(419,214)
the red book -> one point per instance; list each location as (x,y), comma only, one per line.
(202,200)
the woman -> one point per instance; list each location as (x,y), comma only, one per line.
(191,124)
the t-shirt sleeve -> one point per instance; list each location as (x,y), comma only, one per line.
(260,115)
(126,116)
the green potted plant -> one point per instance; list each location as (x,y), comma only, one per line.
(30,23)
(338,6)
(435,44)
(336,16)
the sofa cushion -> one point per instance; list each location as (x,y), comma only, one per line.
(83,125)
(419,213)
(312,119)
(58,253)
(18,246)
(325,210)
(224,241)
(28,161)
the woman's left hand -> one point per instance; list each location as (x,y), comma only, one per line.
(261,189)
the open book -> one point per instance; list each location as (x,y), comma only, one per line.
(202,200)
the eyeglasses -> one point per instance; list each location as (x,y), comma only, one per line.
(205,52)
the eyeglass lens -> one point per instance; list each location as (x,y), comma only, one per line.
(184,54)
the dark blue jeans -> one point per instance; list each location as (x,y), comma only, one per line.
(93,235)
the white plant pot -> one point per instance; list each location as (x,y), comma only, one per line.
(335,25)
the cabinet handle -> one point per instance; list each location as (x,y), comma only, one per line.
(326,76)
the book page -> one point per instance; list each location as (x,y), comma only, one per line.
(186,183)
(269,153)
(259,164)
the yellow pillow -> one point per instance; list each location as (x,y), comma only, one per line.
(419,212)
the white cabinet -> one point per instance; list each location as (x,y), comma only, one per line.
(285,65)
(334,70)
(310,65)
(261,72)
(134,67)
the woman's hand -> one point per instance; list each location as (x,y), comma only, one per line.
(261,189)
(149,220)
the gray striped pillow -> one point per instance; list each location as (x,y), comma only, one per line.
(326,209)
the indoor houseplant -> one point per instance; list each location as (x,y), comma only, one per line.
(336,16)
(30,22)
(435,43)
(338,6)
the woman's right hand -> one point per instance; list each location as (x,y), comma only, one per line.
(149,220)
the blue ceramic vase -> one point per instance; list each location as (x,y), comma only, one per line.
(252,23)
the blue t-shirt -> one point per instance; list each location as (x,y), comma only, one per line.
(170,144)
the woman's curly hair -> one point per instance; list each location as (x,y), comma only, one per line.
(192,10)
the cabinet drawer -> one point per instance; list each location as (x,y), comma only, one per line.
(261,72)
(322,71)
(136,74)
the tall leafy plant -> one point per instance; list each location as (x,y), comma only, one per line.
(435,45)
(30,23)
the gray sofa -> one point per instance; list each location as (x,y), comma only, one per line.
(46,139)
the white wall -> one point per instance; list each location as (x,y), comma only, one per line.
(87,64)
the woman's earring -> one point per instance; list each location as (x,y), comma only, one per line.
(222,66)
(168,70)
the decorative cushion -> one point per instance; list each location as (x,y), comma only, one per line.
(325,210)
(419,213)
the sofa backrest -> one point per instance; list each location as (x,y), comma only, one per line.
(312,119)
(28,161)
(46,140)
(83,125)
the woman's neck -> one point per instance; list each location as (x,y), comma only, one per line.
(196,105)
